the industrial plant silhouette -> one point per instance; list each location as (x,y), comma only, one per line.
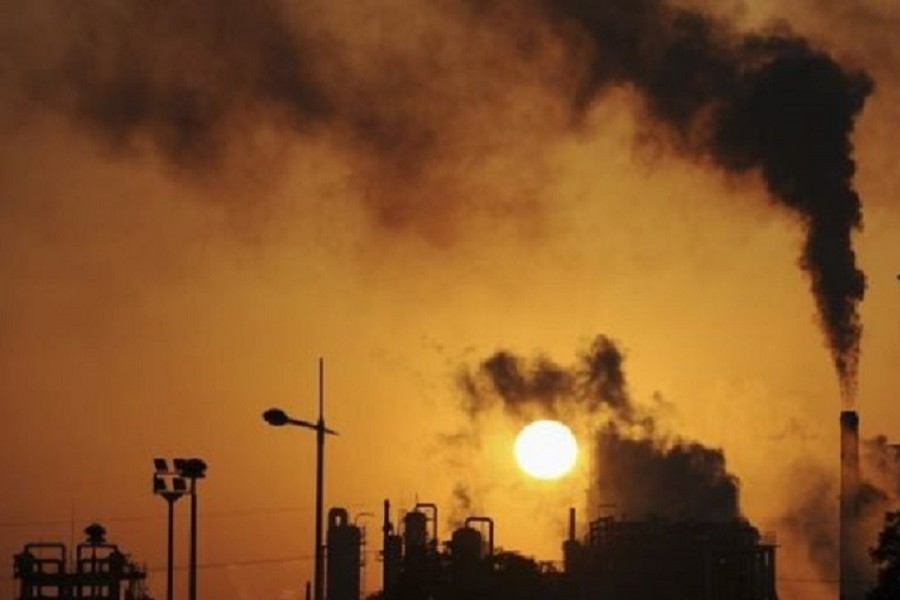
(721,558)
(622,559)
(700,549)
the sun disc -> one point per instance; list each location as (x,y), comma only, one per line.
(546,449)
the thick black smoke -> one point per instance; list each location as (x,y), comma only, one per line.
(635,468)
(195,78)
(747,102)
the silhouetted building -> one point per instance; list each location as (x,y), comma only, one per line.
(617,560)
(672,560)
(344,564)
(416,567)
(100,572)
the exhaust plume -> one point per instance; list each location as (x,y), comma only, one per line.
(193,79)
(641,471)
(186,77)
(765,102)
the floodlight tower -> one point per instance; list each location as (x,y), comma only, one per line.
(162,477)
(192,469)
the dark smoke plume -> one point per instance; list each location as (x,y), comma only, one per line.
(195,78)
(187,77)
(746,102)
(640,471)
(524,387)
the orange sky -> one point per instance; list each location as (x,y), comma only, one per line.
(150,310)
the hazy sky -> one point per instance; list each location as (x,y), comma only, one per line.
(198,200)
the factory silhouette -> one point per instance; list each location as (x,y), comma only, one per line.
(702,548)
(620,559)
(610,557)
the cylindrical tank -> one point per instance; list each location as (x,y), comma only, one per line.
(415,530)
(343,566)
(466,544)
(490,523)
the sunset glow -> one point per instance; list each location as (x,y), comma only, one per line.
(599,255)
(546,449)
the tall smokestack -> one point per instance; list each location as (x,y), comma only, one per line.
(849,516)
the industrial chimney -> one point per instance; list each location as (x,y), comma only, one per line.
(850,575)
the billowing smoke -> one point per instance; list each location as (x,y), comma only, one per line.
(184,76)
(765,102)
(640,471)
(195,78)
(397,97)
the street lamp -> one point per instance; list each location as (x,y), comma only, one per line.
(278,418)
(161,479)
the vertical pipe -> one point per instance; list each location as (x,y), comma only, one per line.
(318,590)
(192,575)
(849,574)
(490,524)
(170,549)
(386,571)
(571,523)
(434,519)
(571,548)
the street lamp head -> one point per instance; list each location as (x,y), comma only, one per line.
(275,417)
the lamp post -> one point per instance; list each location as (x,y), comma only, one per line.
(278,418)
(178,489)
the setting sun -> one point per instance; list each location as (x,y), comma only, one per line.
(546,449)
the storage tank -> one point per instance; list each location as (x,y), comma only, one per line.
(415,530)
(466,545)
(343,566)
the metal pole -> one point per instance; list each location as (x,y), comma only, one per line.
(170,550)
(192,575)
(320,467)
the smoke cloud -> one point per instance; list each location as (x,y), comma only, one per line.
(194,79)
(810,515)
(765,102)
(185,77)
(637,469)
(400,100)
